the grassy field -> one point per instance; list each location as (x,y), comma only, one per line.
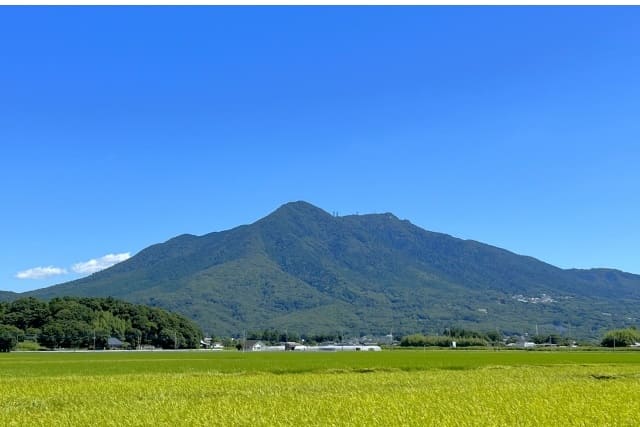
(387,388)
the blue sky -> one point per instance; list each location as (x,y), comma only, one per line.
(124,127)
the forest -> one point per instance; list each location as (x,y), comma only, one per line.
(88,323)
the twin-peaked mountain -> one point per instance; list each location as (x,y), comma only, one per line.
(305,270)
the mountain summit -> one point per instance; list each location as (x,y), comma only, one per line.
(301,268)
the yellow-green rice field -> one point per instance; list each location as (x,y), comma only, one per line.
(439,388)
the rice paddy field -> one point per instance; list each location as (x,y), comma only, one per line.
(405,388)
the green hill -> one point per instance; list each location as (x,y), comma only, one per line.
(72,322)
(8,296)
(305,270)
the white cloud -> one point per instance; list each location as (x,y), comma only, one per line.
(41,272)
(94,265)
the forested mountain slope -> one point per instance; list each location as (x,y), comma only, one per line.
(303,269)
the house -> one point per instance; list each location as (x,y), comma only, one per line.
(252,345)
(114,343)
(522,344)
(291,345)
(347,347)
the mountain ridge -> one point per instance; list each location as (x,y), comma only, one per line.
(302,268)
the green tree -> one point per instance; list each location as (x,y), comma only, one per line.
(88,322)
(26,313)
(69,308)
(133,336)
(52,335)
(66,334)
(550,339)
(621,337)
(4,306)
(170,338)
(107,321)
(8,337)
(415,340)
(494,336)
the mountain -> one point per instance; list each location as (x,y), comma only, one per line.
(8,296)
(305,270)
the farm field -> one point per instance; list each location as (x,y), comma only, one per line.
(385,388)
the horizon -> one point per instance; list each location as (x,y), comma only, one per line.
(512,126)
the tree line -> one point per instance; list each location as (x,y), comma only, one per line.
(621,337)
(74,322)
(468,338)
(275,336)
